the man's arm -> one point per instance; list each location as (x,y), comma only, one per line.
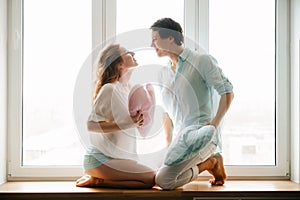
(224,105)
(168,128)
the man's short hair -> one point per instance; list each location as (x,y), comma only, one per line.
(167,27)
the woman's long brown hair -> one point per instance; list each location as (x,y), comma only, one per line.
(107,67)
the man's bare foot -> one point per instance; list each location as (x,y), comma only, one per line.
(218,171)
(88,181)
(208,164)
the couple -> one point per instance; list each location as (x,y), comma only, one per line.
(192,77)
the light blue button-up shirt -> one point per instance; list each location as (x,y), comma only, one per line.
(189,93)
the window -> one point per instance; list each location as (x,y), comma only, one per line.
(54,48)
(244,45)
(249,48)
(47,52)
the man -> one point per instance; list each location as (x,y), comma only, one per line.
(190,122)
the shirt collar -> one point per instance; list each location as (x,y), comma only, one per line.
(185,54)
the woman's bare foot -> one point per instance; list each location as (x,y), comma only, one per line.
(218,171)
(88,181)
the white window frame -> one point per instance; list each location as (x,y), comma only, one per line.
(196,28)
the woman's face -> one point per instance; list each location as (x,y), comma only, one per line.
(128,58)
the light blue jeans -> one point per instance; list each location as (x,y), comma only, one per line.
(171,177)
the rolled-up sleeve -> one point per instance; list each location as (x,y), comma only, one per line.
(213,75)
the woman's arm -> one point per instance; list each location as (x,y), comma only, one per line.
(107,127)
(103,126)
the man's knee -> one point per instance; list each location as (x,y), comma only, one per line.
(165,180)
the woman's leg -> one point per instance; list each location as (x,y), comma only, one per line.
(119,173)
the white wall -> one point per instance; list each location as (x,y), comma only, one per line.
(295,63)
(3,89)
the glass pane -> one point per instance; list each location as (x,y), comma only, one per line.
(134,18)
(129,24)
(57,40)
(137,14)
(242,38)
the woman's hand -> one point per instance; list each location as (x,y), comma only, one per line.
(132,121)
(138,119)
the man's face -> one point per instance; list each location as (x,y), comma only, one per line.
(160,45)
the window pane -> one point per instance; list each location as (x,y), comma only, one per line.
(242,38)
(57,40)
(131,16)
(137,14)
(128,20)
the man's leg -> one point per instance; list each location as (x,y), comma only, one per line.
(171,177)
(217,171)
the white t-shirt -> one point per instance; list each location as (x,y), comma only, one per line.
(112,105)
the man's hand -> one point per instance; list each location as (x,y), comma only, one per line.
(224,105)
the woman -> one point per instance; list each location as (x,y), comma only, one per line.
(110,162)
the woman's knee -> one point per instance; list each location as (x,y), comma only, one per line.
(149,179)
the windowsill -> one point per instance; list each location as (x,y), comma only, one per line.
(233,188)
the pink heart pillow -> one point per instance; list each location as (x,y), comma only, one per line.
(142,98)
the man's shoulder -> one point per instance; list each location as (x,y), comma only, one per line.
(195,55)
(203,58)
